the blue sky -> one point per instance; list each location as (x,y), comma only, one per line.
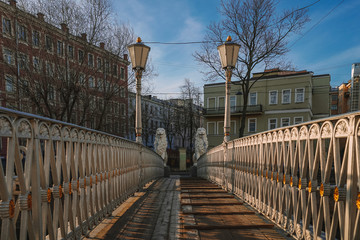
(330,47)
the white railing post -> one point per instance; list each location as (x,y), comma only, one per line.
(305,178)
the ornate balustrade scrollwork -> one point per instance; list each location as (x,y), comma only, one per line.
(305,178)
(58,180)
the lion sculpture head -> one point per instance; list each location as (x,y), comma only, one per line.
(201,144)
(160,144)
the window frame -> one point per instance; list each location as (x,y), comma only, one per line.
(35,38)
(250,104)
(282,96)
(49,43)
(249,119)
(81,56)
(296,94)
(22,32)
(207,128)
(282,121)
(90,60)
(7,76)
(276,95)
(302,120)
(269,123)
(207,102)
(8,29)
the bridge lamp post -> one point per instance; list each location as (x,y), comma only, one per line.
(139,53)
(228,52)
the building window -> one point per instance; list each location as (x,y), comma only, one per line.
(48,43)
(91,82)
(36,64)
(71,51)
(36,38)
(107,66)
(273,97)
(22,32)
(81,56)
(82,79)
(299,95)
(286,96)
(122,73)
(122,109)
(253,98)
(23,61)
(252,125)
(49,69)
(272,124)
(60,50)
(115,71)
(90,60)
(7,26)
(8,56)
(9,84)
(220,127)
(232,103)
(285,122)
(298,120)
(210,128)
(99,84)
(334,97)
(99,65)
(334,107)
(211,102)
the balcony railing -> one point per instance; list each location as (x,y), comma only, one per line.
(251,109)
(305,178)
(57,180)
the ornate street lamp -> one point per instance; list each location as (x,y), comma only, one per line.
(139,53)
(228,52)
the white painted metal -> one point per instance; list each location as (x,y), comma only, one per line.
(293,175)
(61,180)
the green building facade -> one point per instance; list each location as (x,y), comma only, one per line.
(277,99)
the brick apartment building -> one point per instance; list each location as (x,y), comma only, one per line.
(48,71)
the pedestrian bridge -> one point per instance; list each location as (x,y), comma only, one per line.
(60,181)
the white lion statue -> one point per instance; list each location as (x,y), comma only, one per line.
(161,143)
(201,144)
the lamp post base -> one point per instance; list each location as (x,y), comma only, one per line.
(139,139)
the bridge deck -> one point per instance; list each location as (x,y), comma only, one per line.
(184,208)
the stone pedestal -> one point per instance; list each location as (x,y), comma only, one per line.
(167,171)
(193,171)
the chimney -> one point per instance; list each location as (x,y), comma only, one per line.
(125,57)
(40,16)
(102,45)
(12,3)
(64,27)
(84,36)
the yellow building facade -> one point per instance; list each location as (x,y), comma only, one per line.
(277,99)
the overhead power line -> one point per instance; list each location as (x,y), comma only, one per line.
(317,23)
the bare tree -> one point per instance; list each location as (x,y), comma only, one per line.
(187,115)
(262,34)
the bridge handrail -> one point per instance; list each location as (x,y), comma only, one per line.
(59,180)
(305,177)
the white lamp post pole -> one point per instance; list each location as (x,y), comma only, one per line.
(228,56)
(139,53)
(227,105)
(138,123)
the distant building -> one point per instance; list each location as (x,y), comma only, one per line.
(355,87)
(334,101)
(40,57)
(279,98)
(167,114)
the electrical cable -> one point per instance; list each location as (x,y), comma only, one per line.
(317,23)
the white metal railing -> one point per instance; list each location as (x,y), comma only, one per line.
(305,178)
(59,180)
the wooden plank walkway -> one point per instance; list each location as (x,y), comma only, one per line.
(185,208)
